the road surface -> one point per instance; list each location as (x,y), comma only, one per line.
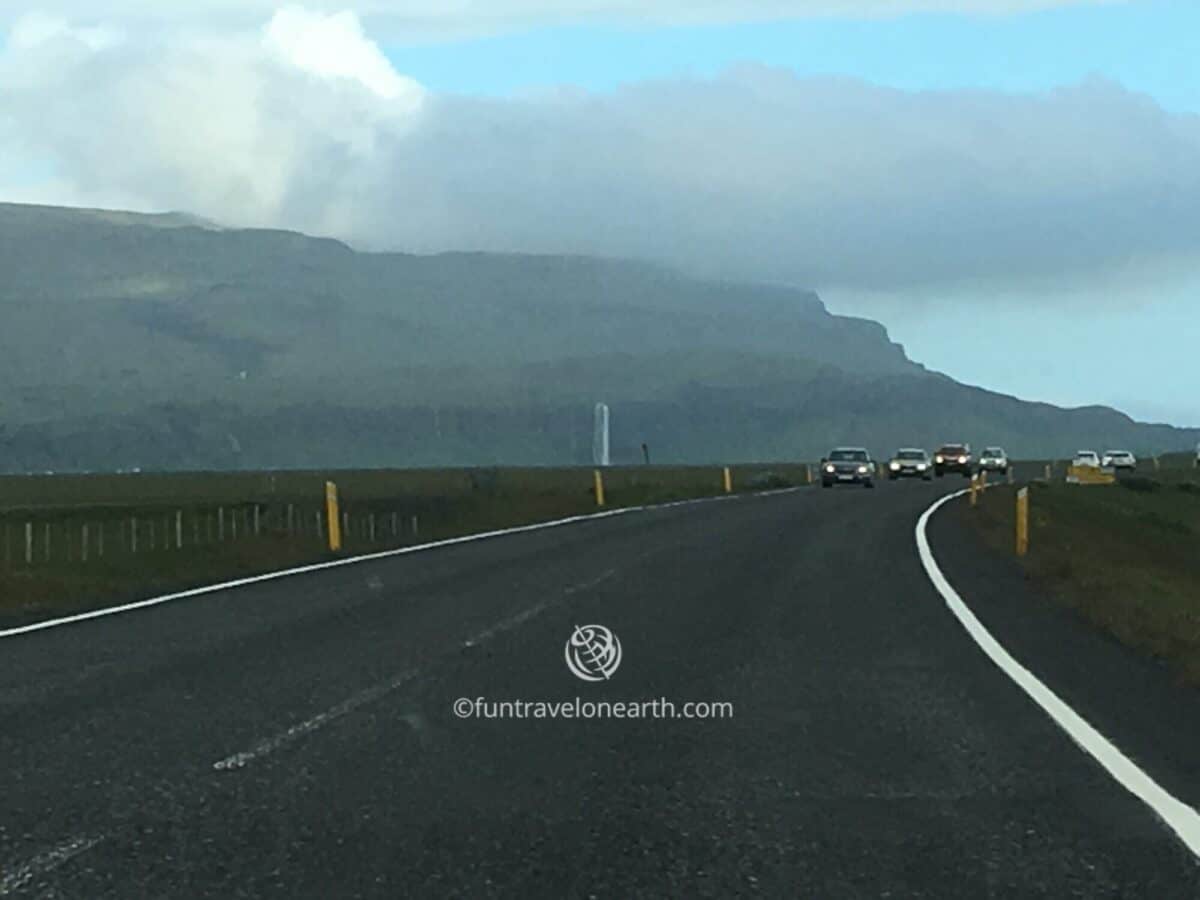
(297,737)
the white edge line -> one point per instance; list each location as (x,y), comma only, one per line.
(351,560)
(23,874)
(1182,819)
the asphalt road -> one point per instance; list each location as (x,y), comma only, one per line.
(297,738)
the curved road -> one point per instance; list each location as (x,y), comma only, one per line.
(296,737)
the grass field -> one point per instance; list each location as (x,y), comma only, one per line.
(74,542)
(1125,556)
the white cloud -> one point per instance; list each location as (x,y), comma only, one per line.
(333,46)
(263,127)
(37,28)
(303,123)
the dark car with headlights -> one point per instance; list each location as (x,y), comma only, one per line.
(848,465)
(953,458)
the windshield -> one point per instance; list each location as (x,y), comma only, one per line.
(418,472)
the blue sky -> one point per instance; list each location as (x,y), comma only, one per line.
(1025,345)
(1017,197)
(1147,46)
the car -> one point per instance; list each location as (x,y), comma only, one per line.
(910,462)
(1086,458)
(994,459)
(1119,459)
(848,465)
(952,458)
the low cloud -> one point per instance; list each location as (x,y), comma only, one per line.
(757,173)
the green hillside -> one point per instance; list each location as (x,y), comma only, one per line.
(165,342)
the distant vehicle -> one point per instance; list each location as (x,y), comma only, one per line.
(910,462)
(848,465)
(1119,459)
(1086,458)
(994,459)
(952,458)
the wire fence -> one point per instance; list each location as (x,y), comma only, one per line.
(67,524)
(33,538)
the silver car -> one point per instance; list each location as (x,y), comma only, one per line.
(994,459)
(910,462)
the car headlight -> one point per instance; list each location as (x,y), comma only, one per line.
(862,470)
(921,467)
(962,459)
(895,466)
(830,469)
(941,459)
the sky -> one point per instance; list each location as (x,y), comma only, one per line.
(1011,186)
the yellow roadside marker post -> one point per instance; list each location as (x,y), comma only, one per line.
(1022,521)
(728,480)
(332,518)
(808,473)
(974,490)
(599,480)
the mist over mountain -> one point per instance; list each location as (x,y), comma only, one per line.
(168,342)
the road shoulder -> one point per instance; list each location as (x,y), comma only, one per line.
(1134,700)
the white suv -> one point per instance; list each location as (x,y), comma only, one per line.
(994,459)
(1086,458)
(1119,459)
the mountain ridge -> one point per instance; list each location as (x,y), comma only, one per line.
(127,332)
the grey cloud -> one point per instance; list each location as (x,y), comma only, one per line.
(762,174)
(755,174)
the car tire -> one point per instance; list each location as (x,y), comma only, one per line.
(868,484)
(826,484)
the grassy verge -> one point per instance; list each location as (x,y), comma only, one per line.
(1125,556)
(72,543)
